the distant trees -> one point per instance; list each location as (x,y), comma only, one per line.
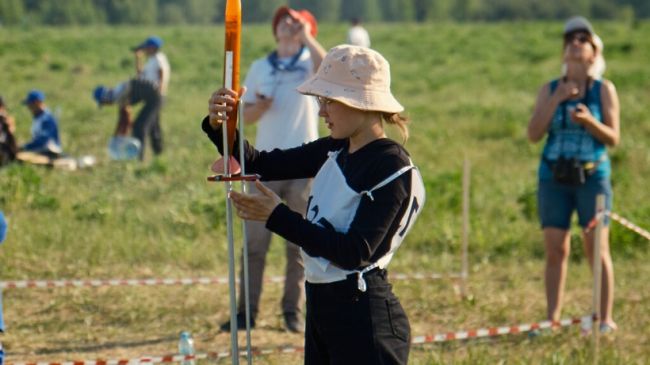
(188,11)
(126,11)
(71,12)
(258,10)
(325,10)
(365,9)
(74,12)
(396,10)
(11,11)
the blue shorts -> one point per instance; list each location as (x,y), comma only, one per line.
(556,202)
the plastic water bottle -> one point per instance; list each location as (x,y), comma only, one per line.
(586,324)
(186,347)
(124,148)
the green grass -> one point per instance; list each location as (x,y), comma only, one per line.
(469,90)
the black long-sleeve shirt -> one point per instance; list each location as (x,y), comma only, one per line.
(375,221)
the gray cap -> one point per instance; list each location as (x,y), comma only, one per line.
(578,23)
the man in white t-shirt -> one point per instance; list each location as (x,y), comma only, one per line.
(285,119)
(358,35)
(157,71)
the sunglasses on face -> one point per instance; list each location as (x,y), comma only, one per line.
(580,37)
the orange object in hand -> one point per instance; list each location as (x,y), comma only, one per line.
(231,65)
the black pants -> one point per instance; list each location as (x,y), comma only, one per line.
(148,120)
(346,326)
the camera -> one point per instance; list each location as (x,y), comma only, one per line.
(569,171)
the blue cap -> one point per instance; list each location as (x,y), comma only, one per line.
(98,94)
(34,95)
(152,41)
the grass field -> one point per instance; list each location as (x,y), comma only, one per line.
(469,90)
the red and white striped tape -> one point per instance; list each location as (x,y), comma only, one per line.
(594,221)
(631,226)
(95,283)
(624,222)
(498,331)
(418,340)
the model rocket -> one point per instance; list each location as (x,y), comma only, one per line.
(232,22)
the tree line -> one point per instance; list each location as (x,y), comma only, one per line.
(147,12)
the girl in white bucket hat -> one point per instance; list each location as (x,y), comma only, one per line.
(579,112)
(365,198)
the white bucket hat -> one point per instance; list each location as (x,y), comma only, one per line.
(355,76)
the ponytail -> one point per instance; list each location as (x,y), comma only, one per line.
(399,121)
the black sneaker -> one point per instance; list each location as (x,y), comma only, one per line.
(293,322)
(241,323)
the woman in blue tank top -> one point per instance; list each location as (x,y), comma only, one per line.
(579,114)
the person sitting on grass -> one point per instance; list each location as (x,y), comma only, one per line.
(45,128)
(45,146)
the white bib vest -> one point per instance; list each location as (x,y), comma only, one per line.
(333,203)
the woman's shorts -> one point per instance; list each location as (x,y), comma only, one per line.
(556,202)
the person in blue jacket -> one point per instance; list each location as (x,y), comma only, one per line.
(45,130)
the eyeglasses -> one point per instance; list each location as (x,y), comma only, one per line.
(323,102)
(580,37)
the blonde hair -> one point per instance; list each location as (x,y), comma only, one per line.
(401,122)
(598,67)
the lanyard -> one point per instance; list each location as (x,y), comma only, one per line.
(584,101)
(274,60)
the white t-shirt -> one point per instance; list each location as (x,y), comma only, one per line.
(358,36)
(150,71)
(292,118)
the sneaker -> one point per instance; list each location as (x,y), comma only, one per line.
(607,328)
(543,332)
(540,332)
(241,323)
(532,334)
(293,323)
